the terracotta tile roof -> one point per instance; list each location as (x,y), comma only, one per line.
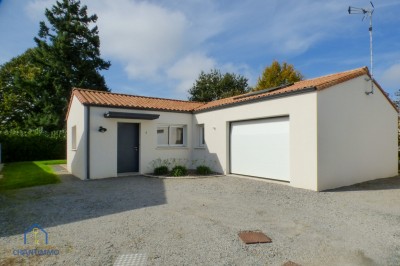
(101,98)
(319,83)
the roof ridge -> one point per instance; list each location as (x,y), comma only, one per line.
(133,95)
(337,73)
(318,83)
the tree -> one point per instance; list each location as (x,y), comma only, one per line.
(15,100)
(213,86)
(278,74)
(26,103)
(68,51)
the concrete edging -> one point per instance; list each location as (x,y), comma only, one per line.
(181,177)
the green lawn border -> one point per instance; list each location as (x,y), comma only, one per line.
(28,174)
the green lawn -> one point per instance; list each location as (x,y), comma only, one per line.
(28,174)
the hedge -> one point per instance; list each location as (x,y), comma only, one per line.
(32,145)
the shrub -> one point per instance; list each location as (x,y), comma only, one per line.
(161,170)
(203,170)
(179,170)
(32,145)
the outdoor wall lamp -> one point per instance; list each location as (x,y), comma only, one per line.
(102,129)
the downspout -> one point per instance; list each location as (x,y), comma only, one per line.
(88,143)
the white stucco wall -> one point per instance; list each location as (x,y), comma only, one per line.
(103,146)
(338,136)
(301,110)
(357,135)
(76,158)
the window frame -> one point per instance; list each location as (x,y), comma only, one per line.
(73,138)
(201,140)
(169,137)
(163,128)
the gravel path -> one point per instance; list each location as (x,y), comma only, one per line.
(196,222)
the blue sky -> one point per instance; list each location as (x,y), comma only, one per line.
(158,48)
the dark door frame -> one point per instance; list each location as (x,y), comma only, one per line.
(137,159)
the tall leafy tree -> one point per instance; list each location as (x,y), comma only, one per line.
(13,101)
(278,74)
(16,78)
(26,99)
(68,51)
(214,85)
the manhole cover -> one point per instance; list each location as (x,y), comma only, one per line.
(254,237)
(131,260)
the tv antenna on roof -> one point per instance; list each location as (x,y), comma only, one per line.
(366,12)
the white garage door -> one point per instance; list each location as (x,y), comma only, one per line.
(261,148)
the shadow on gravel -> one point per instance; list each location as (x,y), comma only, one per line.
(75,200)
(377,184)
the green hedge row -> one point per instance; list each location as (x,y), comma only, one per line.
(32,145)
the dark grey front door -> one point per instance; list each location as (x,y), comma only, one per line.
(128,147)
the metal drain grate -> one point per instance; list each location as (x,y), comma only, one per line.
(131,260)
(254,237)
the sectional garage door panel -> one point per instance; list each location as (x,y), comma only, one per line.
(261,148)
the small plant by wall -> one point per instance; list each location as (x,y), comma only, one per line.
(161,170)
(180,167)
(210,164)
(179,170)
(203,170)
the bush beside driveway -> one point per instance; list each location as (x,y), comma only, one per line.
(196,222)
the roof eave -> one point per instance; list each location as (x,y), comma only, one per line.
(138,108)
(70,103)
(385,95)
(258,99)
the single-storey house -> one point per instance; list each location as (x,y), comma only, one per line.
(316,134)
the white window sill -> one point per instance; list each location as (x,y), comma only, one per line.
(171,148)
(200,148)
(74,149)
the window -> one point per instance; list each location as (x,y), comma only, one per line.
(200,134)
(171,135)
(162,136)
(73,138)
(176,136)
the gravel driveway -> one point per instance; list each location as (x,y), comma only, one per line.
(196,222)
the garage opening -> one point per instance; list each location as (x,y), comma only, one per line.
(260,148)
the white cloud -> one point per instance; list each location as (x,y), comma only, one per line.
(391,76)
(156,42)
(241,69)
(143,36)
(163,43)
(188,69)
